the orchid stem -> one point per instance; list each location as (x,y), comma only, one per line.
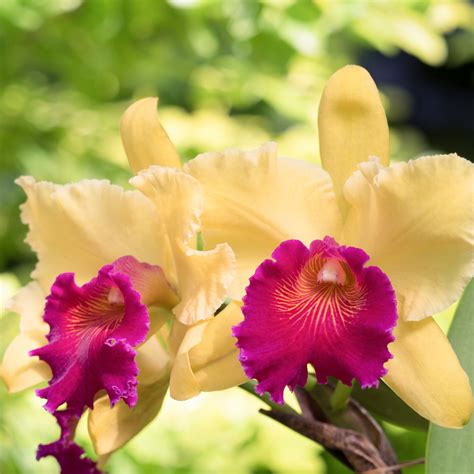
(340,396)
(250,388)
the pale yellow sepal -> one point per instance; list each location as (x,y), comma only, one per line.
(425,372)
(255,200)
(207,358)
(110,428)
(153,360)
(81,227)
(19,371)
(158,317)
(202,278)
(144,139)
(416,222)
(352,125)
(29,304)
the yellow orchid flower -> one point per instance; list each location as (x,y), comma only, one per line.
(255,200)
(95,228)
(413,219)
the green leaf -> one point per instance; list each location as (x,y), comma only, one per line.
(383,403)
(452,450)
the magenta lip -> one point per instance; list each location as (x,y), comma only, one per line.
(318,306)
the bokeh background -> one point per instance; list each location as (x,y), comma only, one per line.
(229,73)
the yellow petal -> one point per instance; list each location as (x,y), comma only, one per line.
(158,317)
(425,372)
(29,304)
(152,284)
(203,278)
(81,227)
(352,125)
(144,139)
(416,222)
(110,428)
(153,360)
(20,371)
(254,201)
(207,358)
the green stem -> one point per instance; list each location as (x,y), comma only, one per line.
(311,383)
(250,388)
(340,396)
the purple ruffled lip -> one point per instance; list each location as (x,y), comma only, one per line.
(91,336)
(317,306)
(70,456)
(94,329)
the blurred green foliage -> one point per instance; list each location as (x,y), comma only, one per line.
(228,73)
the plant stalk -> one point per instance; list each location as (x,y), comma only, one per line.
(340,396)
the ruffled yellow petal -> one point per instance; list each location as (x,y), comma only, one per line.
(207,358)
(81,227)
(203,278)
(254,201)
(352,125)
(144,139)
(111,428)
(20,371)
(416,221)
(426,373)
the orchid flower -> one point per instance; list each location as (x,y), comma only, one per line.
(322,305)
(355,209)
(117,264)
(113,267)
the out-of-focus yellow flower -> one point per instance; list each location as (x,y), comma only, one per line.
(414,219)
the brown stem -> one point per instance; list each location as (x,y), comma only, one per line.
(359,451)
(311,410)
(388,469)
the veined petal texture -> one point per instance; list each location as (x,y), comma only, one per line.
(317,306)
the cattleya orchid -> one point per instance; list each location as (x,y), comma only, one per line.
(322,305)
(123,304)
(120,267)
(414,221)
